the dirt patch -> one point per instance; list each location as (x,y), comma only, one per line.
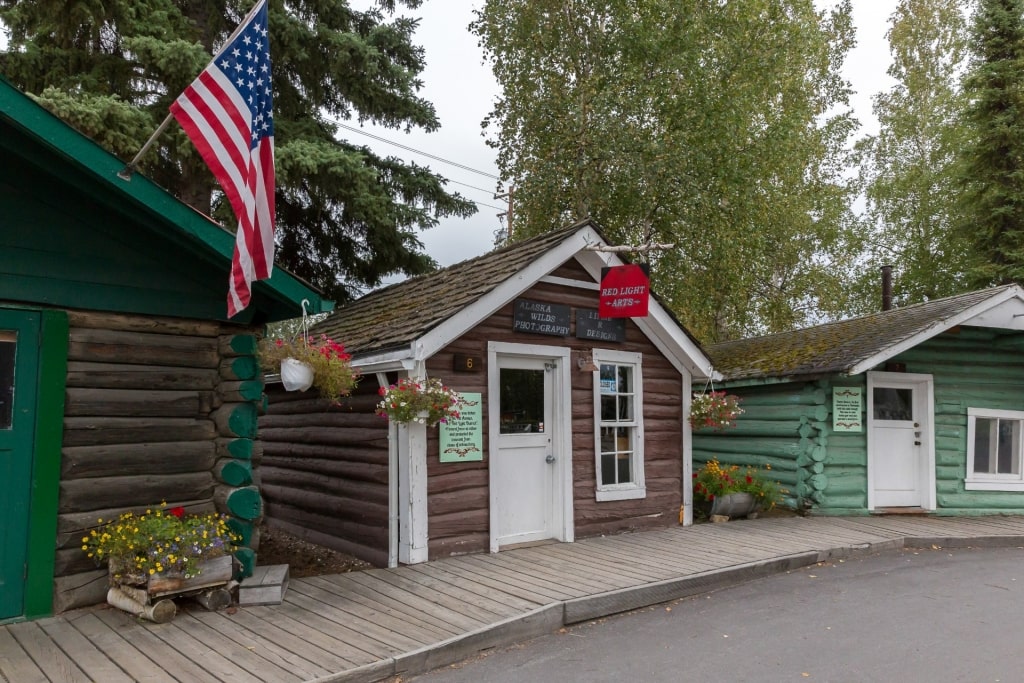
(302,557)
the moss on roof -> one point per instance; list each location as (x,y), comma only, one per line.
(835,348)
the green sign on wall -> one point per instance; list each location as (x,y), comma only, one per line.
(462,439)
(847,403)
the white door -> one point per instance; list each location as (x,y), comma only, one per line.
(524,459)
(899,424)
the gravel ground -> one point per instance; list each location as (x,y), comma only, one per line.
(302,557)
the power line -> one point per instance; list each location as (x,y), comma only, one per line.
(415,151)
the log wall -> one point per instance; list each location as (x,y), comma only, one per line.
(324,471)
(156,410)
(784,426)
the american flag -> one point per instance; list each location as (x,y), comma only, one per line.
(227,112)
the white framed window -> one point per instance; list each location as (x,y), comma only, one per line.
(994,452)
(618,425)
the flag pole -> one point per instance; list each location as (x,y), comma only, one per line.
(132,166)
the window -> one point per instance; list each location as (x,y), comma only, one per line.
(618,425)
(8,346)
(994,450)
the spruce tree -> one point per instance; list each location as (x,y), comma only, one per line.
(346,217)
(992,180)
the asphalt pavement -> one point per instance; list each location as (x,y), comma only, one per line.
(937,615)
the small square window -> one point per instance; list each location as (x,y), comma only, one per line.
(994,452)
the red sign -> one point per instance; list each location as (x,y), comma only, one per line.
(625,291)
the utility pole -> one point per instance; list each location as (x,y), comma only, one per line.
(507,214)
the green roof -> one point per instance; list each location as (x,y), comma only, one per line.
(844,347)
(56,156)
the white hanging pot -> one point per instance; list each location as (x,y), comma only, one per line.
(296,375)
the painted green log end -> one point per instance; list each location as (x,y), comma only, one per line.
(245,368)
(235,448)
(243,502)
(244,344)
(252,390)
(237,419)
(234,472)
(243,529)
(246,560)
(819,482)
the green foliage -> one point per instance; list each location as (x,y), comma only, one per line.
(909,170)
(160,540)
(712,481)
(992,175)
(718,127)
(346,217)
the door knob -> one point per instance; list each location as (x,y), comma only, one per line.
(550,459)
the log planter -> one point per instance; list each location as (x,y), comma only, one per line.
(153,597)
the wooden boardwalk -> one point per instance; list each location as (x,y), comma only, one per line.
(370,625)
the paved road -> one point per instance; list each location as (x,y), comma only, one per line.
(915,615)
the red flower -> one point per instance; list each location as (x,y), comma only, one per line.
(178,512)
(750,479)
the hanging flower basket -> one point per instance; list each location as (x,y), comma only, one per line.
(296,375)
(715,410)
(427,402)
(306,362)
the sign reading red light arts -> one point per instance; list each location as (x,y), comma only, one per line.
(625,291)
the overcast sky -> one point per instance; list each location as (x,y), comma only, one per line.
(463,90)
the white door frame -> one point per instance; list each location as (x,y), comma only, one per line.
(561,443)
(925,408)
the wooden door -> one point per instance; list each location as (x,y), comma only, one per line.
(525,457)
(899,438)
(19,358)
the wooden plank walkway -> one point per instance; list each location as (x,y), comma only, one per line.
(369,625)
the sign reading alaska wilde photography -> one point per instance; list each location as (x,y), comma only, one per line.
(462,438)
(540,317)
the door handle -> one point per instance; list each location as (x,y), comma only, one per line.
(917,443)
(550,459)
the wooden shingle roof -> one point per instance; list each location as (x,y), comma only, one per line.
(395,316)
(854,345)
(411,320)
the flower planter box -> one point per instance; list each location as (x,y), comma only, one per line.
(152,596)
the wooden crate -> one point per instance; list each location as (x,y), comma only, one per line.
(266,586)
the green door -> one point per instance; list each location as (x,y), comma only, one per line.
(19,360)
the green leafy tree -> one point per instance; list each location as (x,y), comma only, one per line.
(992,176)
(717,127)
(346,217)
(909,169)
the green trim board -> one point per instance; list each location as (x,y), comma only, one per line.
(44,146)
(19,364)
(53,372)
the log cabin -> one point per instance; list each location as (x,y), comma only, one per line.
(917,409)
(574,424)
(122,383)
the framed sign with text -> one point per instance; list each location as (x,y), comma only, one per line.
(462,438)
(847,407)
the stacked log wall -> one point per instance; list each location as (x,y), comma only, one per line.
(783,427)
(458,492)
(971,368)
(324,469)
(141,427)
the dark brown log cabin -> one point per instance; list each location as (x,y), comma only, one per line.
(580,436)
(122,384)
